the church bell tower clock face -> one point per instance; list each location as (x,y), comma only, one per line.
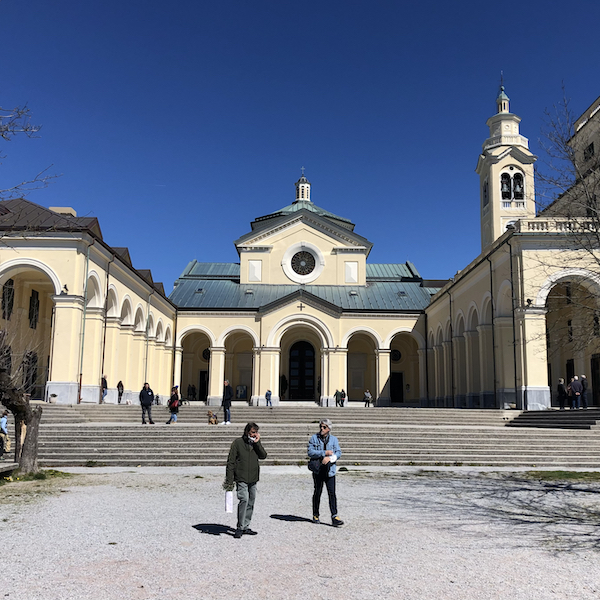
(303,263)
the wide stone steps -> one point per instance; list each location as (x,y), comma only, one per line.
(197,414)
(365,444)
(558,419)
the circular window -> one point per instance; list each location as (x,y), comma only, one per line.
(206,354)
(396,355)
(303,263)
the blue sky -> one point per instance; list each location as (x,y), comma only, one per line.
(177,123)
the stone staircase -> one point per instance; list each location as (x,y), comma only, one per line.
(558,419)
(112,435)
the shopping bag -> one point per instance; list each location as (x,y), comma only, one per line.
(228,502)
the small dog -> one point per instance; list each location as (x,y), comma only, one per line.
(212,418)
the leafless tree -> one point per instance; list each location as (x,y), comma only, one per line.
(568,195)
(14,122)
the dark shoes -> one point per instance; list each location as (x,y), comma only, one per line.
(151,422)
(336,522)
(316,519)
(238,534)
(249,532)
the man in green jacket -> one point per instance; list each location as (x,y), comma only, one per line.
(244,470)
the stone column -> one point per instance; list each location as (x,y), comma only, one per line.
(63,378)
(338,369)
(178,366)
(486,362)
(216,376)
(448,391)
(256,392)
(383,377)
(535,390)
(460,371)
(422,377)
(473,376)
(326,398)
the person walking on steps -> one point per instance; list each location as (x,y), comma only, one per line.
(173,405)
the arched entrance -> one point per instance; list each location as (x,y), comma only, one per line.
(195,366)
(405,389)
(573,335)
(26,327)
(302,371)
(300,365)
(362,366)
(239,364)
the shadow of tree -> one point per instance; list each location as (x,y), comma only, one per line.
(214,529)
(562,516)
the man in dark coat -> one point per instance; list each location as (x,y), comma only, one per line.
(243,469)
(576,389)
(226,403)
(146,400)
(584,388)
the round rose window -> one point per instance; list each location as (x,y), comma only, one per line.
(303,263)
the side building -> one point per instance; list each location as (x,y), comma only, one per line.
(73,309)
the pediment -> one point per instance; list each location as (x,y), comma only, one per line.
(273,230)
(302,297)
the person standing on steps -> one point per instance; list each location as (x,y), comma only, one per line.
(326,447)
(104,388)
(146,400)
(120,390)
(4,439)
(173,405)
(243,468)
(584,388)
(576,389)
(268,398)
(562,393)
(226,402)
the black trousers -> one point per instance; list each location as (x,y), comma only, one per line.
(319,480)
(146,409)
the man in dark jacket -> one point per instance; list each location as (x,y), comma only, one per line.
(243,469)
(146,400)
(226,403)
(576,389)
(584,388)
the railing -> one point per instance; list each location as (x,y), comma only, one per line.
(557,225)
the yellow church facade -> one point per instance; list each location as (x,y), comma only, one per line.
(304,314)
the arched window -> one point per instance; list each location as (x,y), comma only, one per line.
(8,299)
(505,186)
(518,189)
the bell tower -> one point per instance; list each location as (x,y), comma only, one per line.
(303,188)
(505,169)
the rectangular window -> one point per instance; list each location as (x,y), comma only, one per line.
(568,293)
(34,309)
(351,272)
(596,324)
(570,330)
(255,270)
(589,152)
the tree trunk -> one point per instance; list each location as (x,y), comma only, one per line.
(29,450)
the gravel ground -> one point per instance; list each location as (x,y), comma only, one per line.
(162,533)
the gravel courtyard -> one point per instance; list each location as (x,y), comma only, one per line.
(434,534)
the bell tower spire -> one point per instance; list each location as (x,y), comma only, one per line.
(505,169)
(303,188)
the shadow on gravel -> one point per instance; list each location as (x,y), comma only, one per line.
(291,518)
(214,529)
(562,516)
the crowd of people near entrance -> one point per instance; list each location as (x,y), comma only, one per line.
(573,393)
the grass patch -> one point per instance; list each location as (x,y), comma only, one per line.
(563,475)
(39,476)
(95,463)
